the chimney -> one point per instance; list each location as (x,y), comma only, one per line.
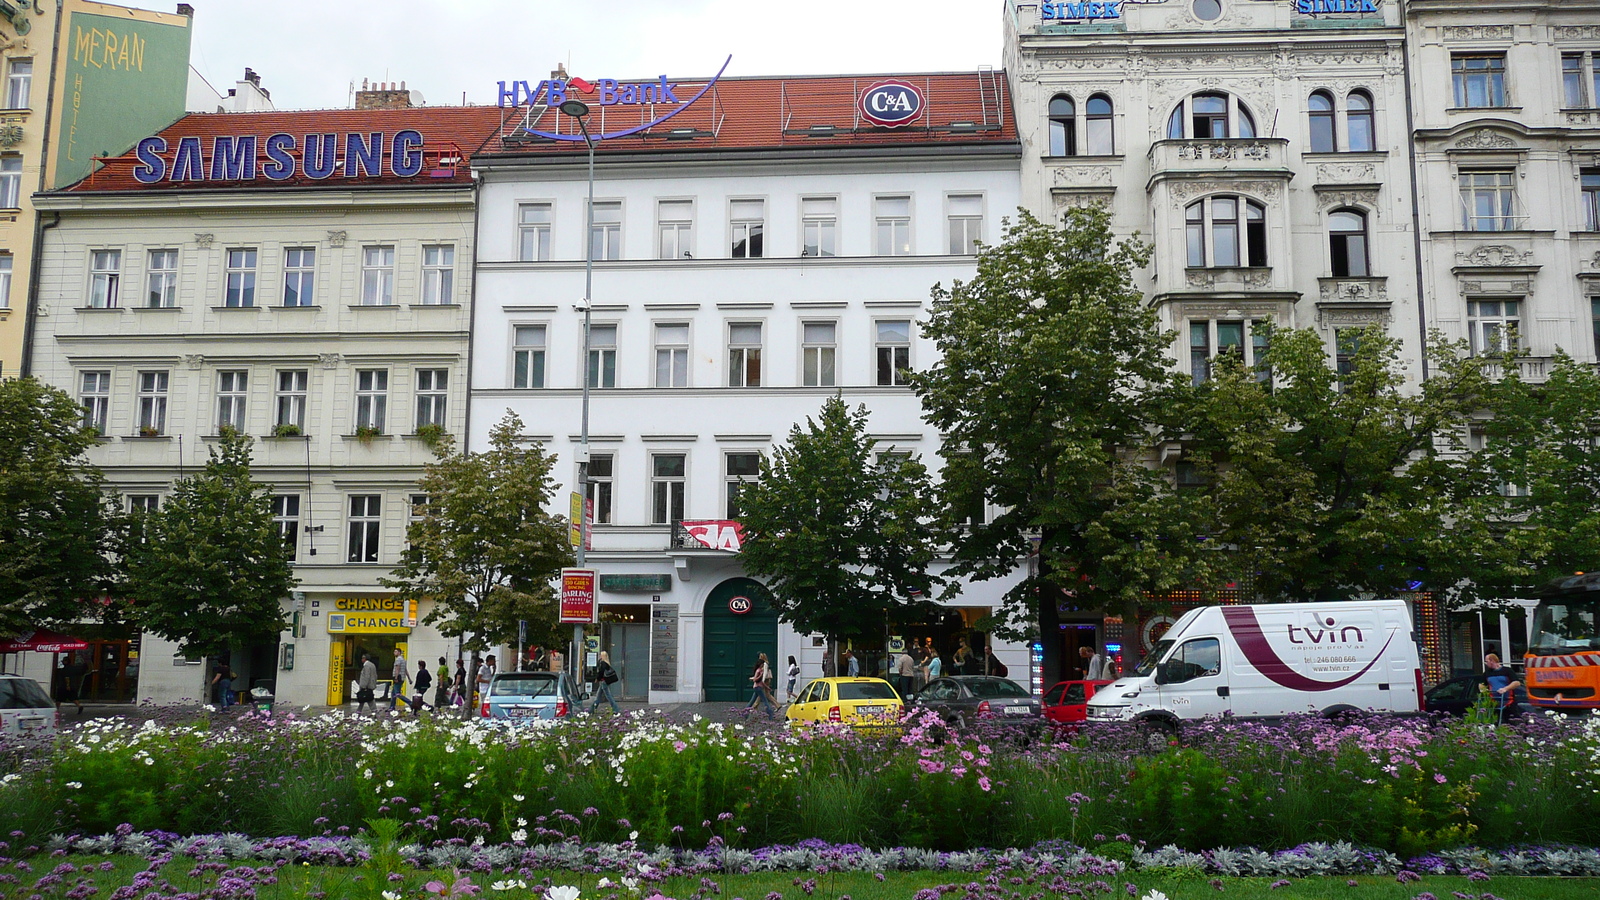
(383,95)
(185,9)
(559,72)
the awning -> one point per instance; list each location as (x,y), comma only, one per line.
(42,642)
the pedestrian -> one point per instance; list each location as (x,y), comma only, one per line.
(853,665)
(222,684)
(367,685)
(485,675)
(69,685)
(458,685)
(423,682)
(441,693)
(1094,668)
(922,667)
(830,664)
(758,686)
(962,659)
(536,655)
(399,677)
(935,666)
(905,671)
(1503,682)
(794,674)
(604,678)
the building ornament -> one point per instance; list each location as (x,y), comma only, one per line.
(1354,290)
(1366,198)
(328,360)
(337,238)
(1593,262)
(1582,118)
(1226,149)
(1494,256)
(1471,287)
(1083,200)
(1477,32)
(204,239)
(1577,32)
(1344,59)
(10,135)
(1360,173)
(1485,139)
(194,361)
(1351,317)
(1198,309)
(1206,278)
(1182,191)
(1072,175)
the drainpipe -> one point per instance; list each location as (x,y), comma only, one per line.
(30,324)
(32,308)
(1416,210)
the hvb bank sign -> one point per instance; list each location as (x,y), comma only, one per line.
(1077,10)
(552,92)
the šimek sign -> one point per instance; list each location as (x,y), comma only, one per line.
(233,157)
(552,92)
(1053,10)
(891,103)
(1328,7)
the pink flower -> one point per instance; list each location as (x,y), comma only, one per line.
(679,746)
(1440,779)
(983,782)
(931,766)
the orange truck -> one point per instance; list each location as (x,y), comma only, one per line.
(1563,661)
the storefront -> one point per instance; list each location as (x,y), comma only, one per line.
(360,628)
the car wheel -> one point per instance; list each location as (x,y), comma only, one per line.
(1158,734)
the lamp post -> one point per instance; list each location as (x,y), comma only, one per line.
(579,110)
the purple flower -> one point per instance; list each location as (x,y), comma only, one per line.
(1280,883)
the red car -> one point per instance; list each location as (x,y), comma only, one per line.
(1067,702)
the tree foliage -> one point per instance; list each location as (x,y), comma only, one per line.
(1053,384)
(484,551)
(841,539)
(209,568)
(56,522)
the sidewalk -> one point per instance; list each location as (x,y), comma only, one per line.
(681,712)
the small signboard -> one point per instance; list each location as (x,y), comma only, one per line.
(664,647)
(639,584)
(577,596)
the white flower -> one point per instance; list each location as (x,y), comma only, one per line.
(1154,895)
(149,761)
(603,883)
(633,835)
(518,797)
(631,884)
(391,895)
(75,784)
(521,834)
(508,885)
(562,892)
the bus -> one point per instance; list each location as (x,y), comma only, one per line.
(1563,661)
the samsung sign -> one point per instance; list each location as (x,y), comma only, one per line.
(1078,10)
(233,157)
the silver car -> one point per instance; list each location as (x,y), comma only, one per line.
(529,695)
(25,709)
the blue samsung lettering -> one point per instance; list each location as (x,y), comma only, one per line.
(151,168)
(364,155)
(320,155)
(233,158)
(405,157)
(280,164)
(188,166)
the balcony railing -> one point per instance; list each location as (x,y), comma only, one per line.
(1245,155)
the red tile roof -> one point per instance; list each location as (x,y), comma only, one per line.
(765,113)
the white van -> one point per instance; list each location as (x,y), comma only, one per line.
(1259,662)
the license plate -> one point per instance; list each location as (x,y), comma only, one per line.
(31,723)
(1018,710)
(522,712)
(869,710)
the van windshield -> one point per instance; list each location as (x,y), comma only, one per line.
(1147,666)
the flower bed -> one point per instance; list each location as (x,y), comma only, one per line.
(1403,787)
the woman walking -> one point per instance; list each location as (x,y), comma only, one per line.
(604,678)
(794,673)
(758,683)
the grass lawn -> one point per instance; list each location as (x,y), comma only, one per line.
(330,883)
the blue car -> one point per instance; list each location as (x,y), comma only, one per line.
(529,695)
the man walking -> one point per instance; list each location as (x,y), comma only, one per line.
(399,677)
(905,671)
(424,681)
(853,665)
(366,684)
(1094,668)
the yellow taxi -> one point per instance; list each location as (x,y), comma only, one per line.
(862,703)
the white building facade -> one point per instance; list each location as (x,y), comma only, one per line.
(761,255)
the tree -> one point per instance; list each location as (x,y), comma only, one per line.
(1328,483)
(56,523)
(209,568)
(842,540)
(484,552)
(1052,387)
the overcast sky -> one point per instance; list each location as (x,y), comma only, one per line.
(309,53)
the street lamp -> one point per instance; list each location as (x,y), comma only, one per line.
(579,110)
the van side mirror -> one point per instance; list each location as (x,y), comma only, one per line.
(1165,673)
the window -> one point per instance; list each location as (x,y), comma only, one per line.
(1192,659)
(675,229)
(1580,80)
(817,353)
(966,223)
(143,504)
(1589,181)
(417,510)
(1360,127)
(1210,339)
(1211,115)
(152,404)
(527,356)
(432,385)
(602,467)
(162,280)
(286,517)
(5,280)
(1206,10)
(1479,80)
(372,398)
(1347,243)
(741,469)
(1492,325)
(299,276)
(819,226)
(605,236)
(241,279)
(1213,233)
(438,275)
(893,347)
(377,276)
(94,392)
(1063,126)
(1322,124)
(19,84)
(533,231)
(1098,127)
(747,220)
(366,520)
(1346,344)
(105,276)
(291,405)
(1594,313)
(1488,201)
(10,182)
(744,354)
(893,215)
(667,488)
(232,394)
(672,355)
(602,356)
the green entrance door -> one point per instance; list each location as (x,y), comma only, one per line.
(733,639)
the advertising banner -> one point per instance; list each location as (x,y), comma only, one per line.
(577,596)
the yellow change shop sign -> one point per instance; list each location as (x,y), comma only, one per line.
(372,615)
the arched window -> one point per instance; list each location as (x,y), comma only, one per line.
(1097,127)
(1063,126)
(1347,243)
(1322,128)
(1226,232)
(1362,131)
(1212,114)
